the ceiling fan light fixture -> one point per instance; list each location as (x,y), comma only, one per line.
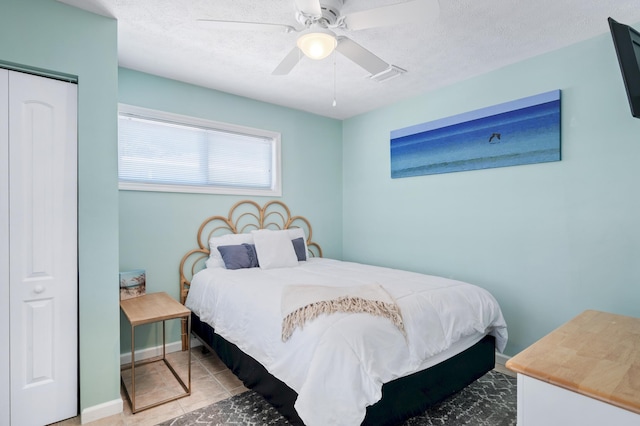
(317,43)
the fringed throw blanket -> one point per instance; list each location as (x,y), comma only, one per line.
(302,303)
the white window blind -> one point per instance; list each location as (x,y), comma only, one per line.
(159,151)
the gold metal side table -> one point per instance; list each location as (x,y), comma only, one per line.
(151,308)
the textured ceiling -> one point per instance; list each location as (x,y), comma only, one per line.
(468,38)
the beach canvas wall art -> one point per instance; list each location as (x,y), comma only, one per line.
(523,131)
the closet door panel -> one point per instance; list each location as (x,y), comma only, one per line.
(4,248)
(43,244)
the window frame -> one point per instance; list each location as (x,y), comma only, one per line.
(152,114)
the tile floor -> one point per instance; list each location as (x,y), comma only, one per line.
(211,382)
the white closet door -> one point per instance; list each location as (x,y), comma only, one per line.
(43,249)
(4,248)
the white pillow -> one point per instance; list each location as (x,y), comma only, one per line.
(274,249)
(215,258)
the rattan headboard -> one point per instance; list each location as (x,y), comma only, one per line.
(244,216)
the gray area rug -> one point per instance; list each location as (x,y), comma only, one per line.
(489,401)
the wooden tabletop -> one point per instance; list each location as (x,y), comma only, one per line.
(596,354)
(152,307)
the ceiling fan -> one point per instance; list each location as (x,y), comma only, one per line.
(317,19)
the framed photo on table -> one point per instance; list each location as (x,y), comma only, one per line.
(132,284)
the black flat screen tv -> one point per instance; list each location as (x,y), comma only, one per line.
(627,44)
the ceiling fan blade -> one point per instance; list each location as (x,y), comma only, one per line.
(249,26)
(289,61)
(361,56)
(309,7)
(399,13)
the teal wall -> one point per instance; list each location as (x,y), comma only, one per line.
(548,240)
(157,229)
(51,36)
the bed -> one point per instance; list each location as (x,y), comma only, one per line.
(327,341)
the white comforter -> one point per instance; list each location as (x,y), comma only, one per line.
(336,367)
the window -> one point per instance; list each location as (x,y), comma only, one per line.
(159,151)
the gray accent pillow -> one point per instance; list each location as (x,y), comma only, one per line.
(239,256)
(298,246)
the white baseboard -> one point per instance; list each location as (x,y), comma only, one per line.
(100,411)
(502,358)
(142,354)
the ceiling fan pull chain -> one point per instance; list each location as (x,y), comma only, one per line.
(334,78)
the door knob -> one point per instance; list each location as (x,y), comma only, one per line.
(38,289)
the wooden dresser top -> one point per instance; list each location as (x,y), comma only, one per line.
(596,354)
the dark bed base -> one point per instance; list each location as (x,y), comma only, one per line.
(401,398)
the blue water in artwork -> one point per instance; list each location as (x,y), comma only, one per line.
(520,136)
